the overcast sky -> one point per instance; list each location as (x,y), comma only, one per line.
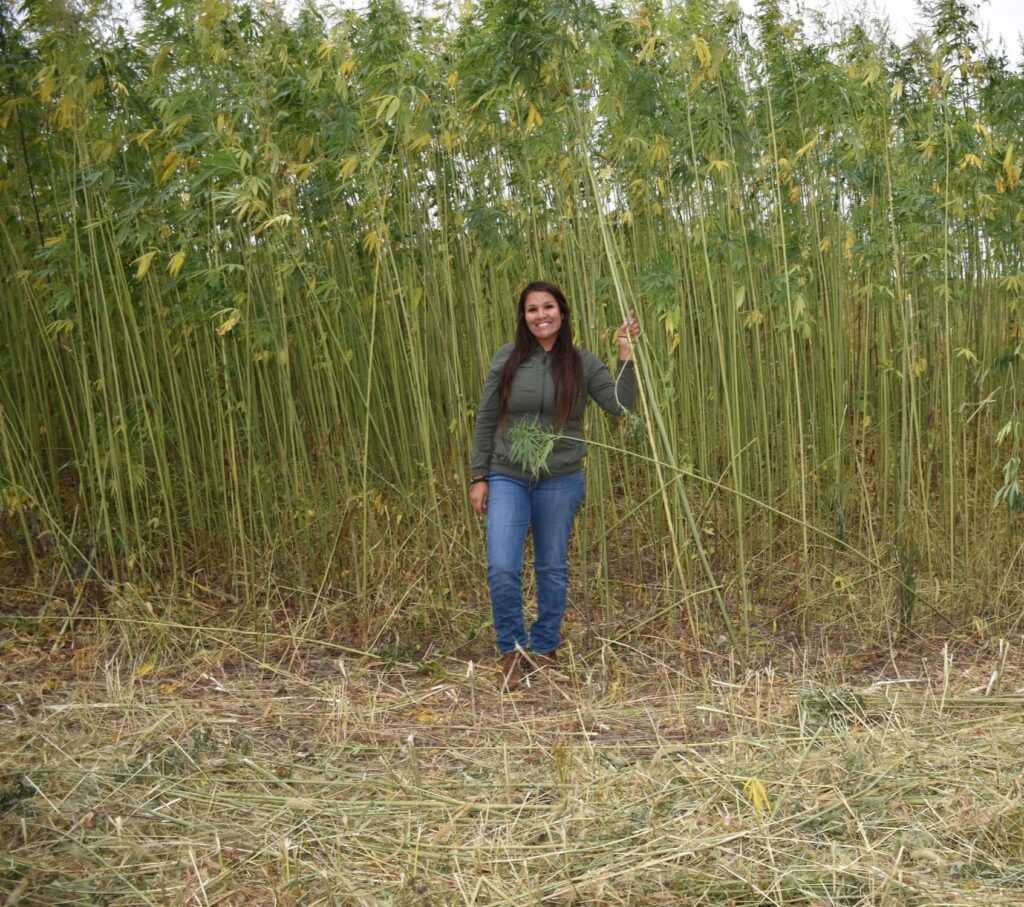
(998,18)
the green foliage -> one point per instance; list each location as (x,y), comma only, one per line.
(255,264)
(530,446)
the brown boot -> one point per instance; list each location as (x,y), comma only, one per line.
(545,659)
(547,662)
(511,671)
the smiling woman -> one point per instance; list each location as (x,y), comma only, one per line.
(541,379)
(543,317)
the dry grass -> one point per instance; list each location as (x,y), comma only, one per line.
(229,780)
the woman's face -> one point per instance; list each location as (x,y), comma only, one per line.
(543,317)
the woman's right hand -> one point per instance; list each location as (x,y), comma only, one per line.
(478,497)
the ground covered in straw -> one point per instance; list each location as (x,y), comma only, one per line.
(314,778)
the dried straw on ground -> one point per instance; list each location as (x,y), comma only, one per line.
(345,782)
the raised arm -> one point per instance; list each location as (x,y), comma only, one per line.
(618,392)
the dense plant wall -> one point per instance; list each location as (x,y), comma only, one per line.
(254,266)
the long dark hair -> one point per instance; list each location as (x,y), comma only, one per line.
(566,366)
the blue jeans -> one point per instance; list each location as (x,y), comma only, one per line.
(548,507)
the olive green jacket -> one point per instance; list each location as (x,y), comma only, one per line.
(532,396)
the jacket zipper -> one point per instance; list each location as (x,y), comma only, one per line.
(543,382)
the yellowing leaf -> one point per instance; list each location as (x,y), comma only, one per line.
(533,119)
(757,794)
(660,149)
(168,165)
(702,50)
(419,142)
(145,670)
(349,166)
(1011,169)
(806,148)
(304,145)
(160,59)
(47,84)
(143,262)
(233,316)
(175,264)
(387,107)
(278,219)
(60,326)
(141,138)
(65,108)
(872,72)
(648,49)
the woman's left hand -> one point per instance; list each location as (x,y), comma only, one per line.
(628,331)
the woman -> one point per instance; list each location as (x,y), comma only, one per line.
(539,378)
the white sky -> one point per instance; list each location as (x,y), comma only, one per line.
(999,19)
